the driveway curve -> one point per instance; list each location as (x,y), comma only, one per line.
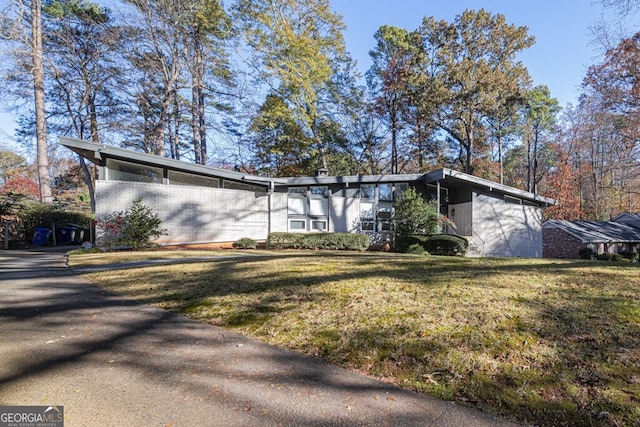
(111,361)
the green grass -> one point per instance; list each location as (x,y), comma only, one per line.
(542,342)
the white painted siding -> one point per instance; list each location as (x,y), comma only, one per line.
(507,229)
(192,214)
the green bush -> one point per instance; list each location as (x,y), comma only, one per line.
(586,253)
(328,241)
(417,249)
(446,244)
(135,228)
(32,215)
(436,244)
(245,243)
(630,256)
(403,243)
(413,215)
(609,257)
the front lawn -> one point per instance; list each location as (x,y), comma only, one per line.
(542,342)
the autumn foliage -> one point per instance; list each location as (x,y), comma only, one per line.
(23,186)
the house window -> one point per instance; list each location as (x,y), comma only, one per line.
(319,225)
(367,191)
(298,224)
(319,190)
(385,192)
(118,170)
(241,186)
(399,189)
(376,205)
(308,208)
(183,178)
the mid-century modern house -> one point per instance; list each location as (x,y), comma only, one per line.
(201,204)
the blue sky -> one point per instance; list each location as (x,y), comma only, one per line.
(559,58)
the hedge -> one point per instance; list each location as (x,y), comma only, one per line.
(436,244)
(330,241)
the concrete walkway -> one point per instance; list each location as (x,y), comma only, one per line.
(111,361)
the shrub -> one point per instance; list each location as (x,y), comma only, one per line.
(330,241)
(31,215)
(135,228)
(403,243)
(609,257)
(417,249)
(245,243)
(446,244)
(437,244)
(586,253)
(412,215)
(630,255)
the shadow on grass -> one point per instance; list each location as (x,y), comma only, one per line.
(575,360)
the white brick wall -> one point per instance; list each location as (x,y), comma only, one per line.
(191,214)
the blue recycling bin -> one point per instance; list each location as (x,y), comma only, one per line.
(40,236)
(67,234)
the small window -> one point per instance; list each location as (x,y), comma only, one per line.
(183,178)
(386,226)
(319,190)
(385,192)
(368,191)
(366,210)
(399,189)
(367,226)
(319,225)
(297,190)
(297,224)
(233,185)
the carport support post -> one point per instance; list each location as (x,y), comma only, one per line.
(438,197)
(6,235)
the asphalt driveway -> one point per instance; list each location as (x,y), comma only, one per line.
(111,361)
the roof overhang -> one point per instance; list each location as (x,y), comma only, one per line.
(450,177)
(97,153)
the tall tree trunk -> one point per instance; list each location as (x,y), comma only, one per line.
(199,131)
(38,89)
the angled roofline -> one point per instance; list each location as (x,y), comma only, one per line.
(589,235)
(442,174)
(95,152)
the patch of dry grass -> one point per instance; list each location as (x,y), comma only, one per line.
(537,341)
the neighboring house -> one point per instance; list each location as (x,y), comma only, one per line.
(200,204)
(628,218)
(565,239)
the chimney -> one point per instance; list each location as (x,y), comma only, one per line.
(322,172)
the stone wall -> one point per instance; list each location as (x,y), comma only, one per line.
(559,244)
